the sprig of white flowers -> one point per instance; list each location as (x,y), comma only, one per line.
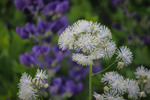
(117,85)
(28,87)
(95,41)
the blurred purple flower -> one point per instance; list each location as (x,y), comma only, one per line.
(115,3)
(117,26)
(43,26)
(96,69)
(61,85)
(78,74)
(133,14)
(24,33)
(147,40)
(28,59)
(31,5)
(56,7)
(40,50)
(59,54)
(59,25)
(73,88)
(20,4)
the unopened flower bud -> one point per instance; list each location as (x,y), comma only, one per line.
(46,85)
(142,94)
(120,65)
(106,88)
(145,81)
(33,81)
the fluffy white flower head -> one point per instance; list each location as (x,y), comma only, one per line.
(124,55)
(115,81)
(26,91)
(91,38)
(132,88)
(141,72)
(41,74)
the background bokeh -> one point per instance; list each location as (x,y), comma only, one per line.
(128,20)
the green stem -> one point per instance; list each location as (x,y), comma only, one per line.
(40,95)
(104,69)
(90,82)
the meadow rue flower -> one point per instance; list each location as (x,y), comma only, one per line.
(132,88)
(40,78)
(141,72)
(124,55)
(115,81)
(26,90)
(91,38)
(28,87)
(41,74)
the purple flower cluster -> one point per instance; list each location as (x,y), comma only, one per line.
(64,86)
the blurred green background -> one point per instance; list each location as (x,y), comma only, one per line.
(128,20)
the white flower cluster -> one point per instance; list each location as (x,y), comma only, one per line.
(143,76)
(94,40)
(117,87)
(26,91)
(28,87)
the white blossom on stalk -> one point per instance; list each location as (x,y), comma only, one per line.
(141,72)
(115,81)
(40,78)
(124,55)
(132,88)
(93,39)
(26,90)
(41,74)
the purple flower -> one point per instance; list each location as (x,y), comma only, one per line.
(28,59)
(43,26)
(96,69)
(116,3)
(62,7)
(134,14)
(117,26)
(73,88)
(20,4)
(59,54)
(147,40)
(31,5)
(59,25)
(25,33)
(60,86)
(78,73)
(40,50)
(50,8)
(56,7)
